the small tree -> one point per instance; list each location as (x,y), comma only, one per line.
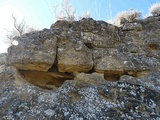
(9,37)
(155,9)
(19,29)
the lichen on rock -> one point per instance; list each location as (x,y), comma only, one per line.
(83,69)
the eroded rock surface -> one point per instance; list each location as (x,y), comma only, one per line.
(35,51)
(81,70)
(3,58)
(74,57)
(128,98)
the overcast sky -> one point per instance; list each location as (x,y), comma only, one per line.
(39,14)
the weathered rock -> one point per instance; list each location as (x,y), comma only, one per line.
(112,60)
(5,72)
(107,59)
(130,47)
(35,51)
(3,57)
(126,99)
(94,78)
(83,70)
(132,26)
(152,80)
(150,22)
(131,37)
(74,57)
(46,80)
(92,40)
(106,39)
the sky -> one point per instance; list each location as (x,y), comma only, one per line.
(39,13)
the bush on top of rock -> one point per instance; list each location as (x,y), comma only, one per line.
(155,9)
(127,16)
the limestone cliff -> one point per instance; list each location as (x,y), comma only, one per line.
(84,69)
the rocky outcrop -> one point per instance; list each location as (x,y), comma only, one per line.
(36,51)
(3,58)
(89,97)
(83,70)
(74,57)
(88,46)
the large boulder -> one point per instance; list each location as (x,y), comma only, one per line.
(74,57)
(112,63)
(35,51)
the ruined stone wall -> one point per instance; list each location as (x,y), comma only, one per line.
(83,70)
(51,56)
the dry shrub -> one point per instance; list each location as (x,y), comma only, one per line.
(86,15)
(155,9)
(67,12)
(127,16)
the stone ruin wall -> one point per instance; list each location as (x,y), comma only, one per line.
(68,49)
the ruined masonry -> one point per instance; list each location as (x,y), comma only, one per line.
(83,70)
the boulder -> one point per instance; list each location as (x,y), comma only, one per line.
(112,62)
(107,59)
(132,26)
(35,51)
(74,57)
(3,57)
(94,78)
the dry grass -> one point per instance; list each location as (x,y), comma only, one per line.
(155,9)
(127,16)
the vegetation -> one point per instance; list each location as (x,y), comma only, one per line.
(155,9)
(127,16)
(19,29)
(67,12)
(132,15)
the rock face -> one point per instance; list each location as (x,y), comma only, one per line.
(3,58)
(74,57)
(83,70)
(36,51)
(129,98)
